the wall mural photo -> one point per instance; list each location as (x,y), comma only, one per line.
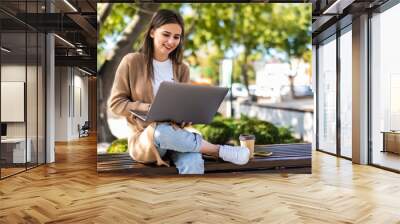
(207,77)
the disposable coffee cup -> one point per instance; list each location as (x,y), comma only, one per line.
(248,141)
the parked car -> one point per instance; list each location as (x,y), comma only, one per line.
(260,91)
(239,90)
(299,91)
(264,91)
(303,91)
(253,89)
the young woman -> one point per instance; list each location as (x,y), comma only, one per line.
(137,80)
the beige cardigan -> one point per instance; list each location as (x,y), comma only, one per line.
(131,91)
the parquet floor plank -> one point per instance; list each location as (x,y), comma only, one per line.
(71,191)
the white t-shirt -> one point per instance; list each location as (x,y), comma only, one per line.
(162,72)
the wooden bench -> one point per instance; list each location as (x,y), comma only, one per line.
(286,158)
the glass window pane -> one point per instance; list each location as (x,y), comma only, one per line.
(22,86)
(31,97)
(41,98)
(15,151)
(386,89)
(346,94)
(327,96)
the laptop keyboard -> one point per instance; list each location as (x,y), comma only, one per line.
(140,114)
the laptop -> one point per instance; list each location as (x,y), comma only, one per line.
(182,102)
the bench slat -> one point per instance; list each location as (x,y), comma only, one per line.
(286,157)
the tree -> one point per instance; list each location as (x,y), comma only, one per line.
(248,31)
(224,26)
(104,10)
(295,38)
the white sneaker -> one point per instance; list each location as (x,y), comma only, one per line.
(234,154)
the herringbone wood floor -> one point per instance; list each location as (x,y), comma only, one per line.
(70,191)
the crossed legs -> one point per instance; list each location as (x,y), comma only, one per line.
(187,149)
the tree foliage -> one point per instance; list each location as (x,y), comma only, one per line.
(237,30)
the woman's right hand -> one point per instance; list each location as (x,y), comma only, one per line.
(148,106)
(184,124)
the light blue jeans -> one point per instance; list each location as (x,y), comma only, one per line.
(184,147)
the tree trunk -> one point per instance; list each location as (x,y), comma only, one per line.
(245,74)
(291,78)
(103,14)
(291,84)
(107,71)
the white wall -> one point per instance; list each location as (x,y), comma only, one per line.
(81,84)
(61,103)
(71,102)
(12,73)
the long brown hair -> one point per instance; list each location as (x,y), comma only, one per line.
(160,18)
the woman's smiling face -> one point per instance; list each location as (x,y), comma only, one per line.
(166,39)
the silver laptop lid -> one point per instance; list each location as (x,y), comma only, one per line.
(181,102)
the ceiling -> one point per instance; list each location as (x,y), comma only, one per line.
(74,22)
(328,12)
